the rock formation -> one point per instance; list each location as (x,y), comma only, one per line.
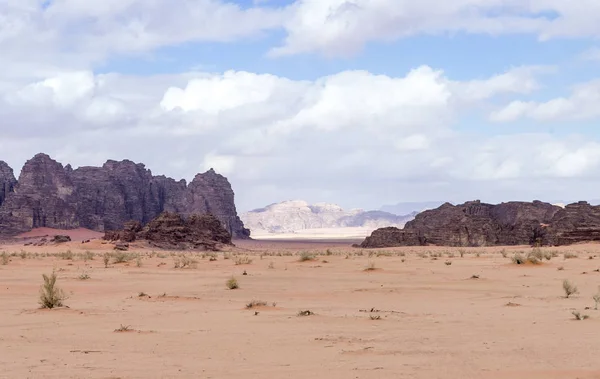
(105,198)
(479,224)
(172,231)
(297,215)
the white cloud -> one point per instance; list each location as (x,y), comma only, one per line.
(345,135)
(582,104)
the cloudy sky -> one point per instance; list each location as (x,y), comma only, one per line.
(357,102)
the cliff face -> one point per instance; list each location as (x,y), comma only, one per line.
(480,224)
(7,181)
(105,198)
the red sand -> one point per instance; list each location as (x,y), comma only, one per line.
(75,234)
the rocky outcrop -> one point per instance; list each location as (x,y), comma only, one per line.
(296,215)
(578,222)
(105,198)
(474,224)
(7,181)
(172,231)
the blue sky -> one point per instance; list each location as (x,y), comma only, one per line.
(360,103)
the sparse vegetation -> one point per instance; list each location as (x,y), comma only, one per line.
(271,265)
(306,256)
(51,296)
(88,256)
(532,257)
(596,298)
(256,303)
(123,328)
(569,255)
(138,262)
(448,263)
(569,288)
(245,260)
(375,317)
(184,262)
(106,259)
(232,283)
(67,255)
(579,316)
(306,313)
(5,258)
(121,257)
(504,253)
(371,266)
(84,276)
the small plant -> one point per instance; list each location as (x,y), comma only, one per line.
(579,316)
(67,255)
(121,257)
(50,295)
(504,253)
(5,258)
(232,283)
(478,254)
(23,254)
(84,276)
(560,268)
(88,256)
(306,256)
(569,255)
(106,259)
(448,263)
(328,252)
(596,298)
(569,288)
(245,260)
(371,267)
(518,259)
(142,294)
(227,256)
(375,317)
(138,262)
(271,265)
(123,328)
(256,303)
(462,253)
(184,262)
(305,313)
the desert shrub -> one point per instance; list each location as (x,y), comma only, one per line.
(5,258)
(123,328)
(51,296)
(306,313)
(245,260)
(371,266)
(106,259)
(232,283)
(306,256)
(23,254)
(569,255)
(504,253)
(519,259)
(184,262)
(579,316)
(448,263)
(121,257)
(375,317)
(88,256)
(596,298)
(67,255)
(138,262)
(462,253)
(569,288)
(256,303)
(271,265)
(84,276)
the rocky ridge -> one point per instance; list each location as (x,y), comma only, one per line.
(172,231)
(295,215)
(105,198)
(480,224)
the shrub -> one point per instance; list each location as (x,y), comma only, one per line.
(67,255)
(256,303)
(519,259)
(579,316)
(375,317)
(88,256)
(50,295)
(306,256)
(371,267)
(123,328)
(184,262)
(84,276)
(106,259)
(232,283)
(448,263)
(306,313)
(121,257)
(245,260)
(569,255)
(569,288)
(5,258)
(138,262)
(504,253)
(271,265)
(596,298)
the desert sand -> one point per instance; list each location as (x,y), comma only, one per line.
(410,316)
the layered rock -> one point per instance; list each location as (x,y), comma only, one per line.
(473,224)
(105,198)
(578,222)
(172,231)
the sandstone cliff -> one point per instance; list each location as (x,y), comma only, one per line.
(105,198)
(7,181)
(479,224)
(297,215)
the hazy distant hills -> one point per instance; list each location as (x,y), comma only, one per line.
(298,217)
(410,207)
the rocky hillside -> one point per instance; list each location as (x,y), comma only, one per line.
(480,224)
(105,198)
(296,215)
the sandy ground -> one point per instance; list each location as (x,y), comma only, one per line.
(428,320)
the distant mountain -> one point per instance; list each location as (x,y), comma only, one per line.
(410,207)
(297,215)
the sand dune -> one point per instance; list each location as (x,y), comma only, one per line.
(75,234)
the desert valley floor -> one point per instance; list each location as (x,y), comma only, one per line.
(388,313)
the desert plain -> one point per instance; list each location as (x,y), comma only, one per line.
(413,312)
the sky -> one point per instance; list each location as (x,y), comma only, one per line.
(356,102)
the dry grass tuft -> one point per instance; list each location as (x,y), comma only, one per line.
(51,296)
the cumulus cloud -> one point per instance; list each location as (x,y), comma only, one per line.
(371,138)
(582,104)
